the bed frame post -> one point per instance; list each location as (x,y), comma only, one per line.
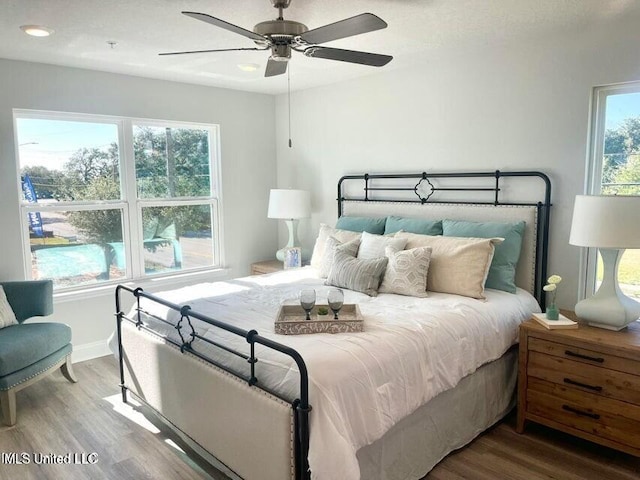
(119,315)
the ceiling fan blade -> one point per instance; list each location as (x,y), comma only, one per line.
(275,67)
(363,23)
(351,56)
(226,25)
(209,51)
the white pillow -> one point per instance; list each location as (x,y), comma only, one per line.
(458,265)
(373,246)
(325,232)
(7,317)
(406,272)
(350,247)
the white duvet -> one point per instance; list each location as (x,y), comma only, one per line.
(360,384)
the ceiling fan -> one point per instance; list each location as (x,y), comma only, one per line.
(282,36)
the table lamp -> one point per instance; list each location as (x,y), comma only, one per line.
(289,205)
(611,224)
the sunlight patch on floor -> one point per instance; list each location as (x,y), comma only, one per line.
(128,410)
(173,445)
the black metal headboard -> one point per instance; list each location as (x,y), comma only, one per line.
(389,187)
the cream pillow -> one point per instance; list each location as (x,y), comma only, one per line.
(373,246)
(458,265)
(350,247)
(7,317)
(325,232)
(406,272)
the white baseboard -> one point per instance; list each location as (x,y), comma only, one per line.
(88,351)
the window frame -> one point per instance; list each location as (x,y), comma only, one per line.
(129,204)
(593,177)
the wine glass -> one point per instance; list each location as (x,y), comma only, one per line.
(308,300)
(335,299)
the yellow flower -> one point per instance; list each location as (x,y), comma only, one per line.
(550,287)
(554,279)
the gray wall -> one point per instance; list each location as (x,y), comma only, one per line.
(518,105)
(248,165)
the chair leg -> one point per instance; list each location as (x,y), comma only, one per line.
(8,403)
(67,371)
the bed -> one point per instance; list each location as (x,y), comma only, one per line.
(424,378)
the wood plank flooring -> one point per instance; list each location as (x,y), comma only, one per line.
(56,417)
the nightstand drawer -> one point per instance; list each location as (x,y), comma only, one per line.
(590,357)
(587,378)
(592,420)
(584,400)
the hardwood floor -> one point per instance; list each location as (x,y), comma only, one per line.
(56,417)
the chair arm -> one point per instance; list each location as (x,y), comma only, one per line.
(29,298)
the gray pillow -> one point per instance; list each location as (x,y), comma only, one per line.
(355,274)
(350,247)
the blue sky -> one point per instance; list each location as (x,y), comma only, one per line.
(50,143)
(620,107)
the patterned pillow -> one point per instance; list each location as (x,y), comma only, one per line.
(406,272)
(323,235)
(356,274)
(372,246)
(350,247)
(7,317)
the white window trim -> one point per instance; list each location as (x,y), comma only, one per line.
(593,177)
(131,226)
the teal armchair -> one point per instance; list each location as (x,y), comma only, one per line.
(30,351)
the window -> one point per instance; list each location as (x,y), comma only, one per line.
(105,199)
(615,168)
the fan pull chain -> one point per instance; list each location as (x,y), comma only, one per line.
(289,99)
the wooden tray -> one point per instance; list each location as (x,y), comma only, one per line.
(291,320)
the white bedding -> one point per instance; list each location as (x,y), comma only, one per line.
(360,384)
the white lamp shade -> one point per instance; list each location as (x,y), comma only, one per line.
(606,221)
(289,204)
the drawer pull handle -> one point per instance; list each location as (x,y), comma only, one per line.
(583,385)
(595,416)
(584,357)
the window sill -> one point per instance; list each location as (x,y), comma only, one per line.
(150,283)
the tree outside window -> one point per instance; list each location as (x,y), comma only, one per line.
(82,217)
(617,163)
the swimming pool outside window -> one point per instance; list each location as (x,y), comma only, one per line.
(106,199)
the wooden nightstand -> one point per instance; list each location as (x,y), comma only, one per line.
(583,381)
(268,266)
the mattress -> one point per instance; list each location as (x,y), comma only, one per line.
(360,384)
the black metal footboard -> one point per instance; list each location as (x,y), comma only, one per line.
(300,405)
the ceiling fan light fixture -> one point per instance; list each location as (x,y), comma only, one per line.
(248,67)
(282,36)
(36,30)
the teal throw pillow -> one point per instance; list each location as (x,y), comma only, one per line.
(502,273)
(413,225)
(362,224)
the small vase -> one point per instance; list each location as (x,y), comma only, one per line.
(552,312)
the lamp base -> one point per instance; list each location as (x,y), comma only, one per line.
(609,308)
(292,226)
(611,313)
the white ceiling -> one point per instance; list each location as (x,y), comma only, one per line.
(418,29)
